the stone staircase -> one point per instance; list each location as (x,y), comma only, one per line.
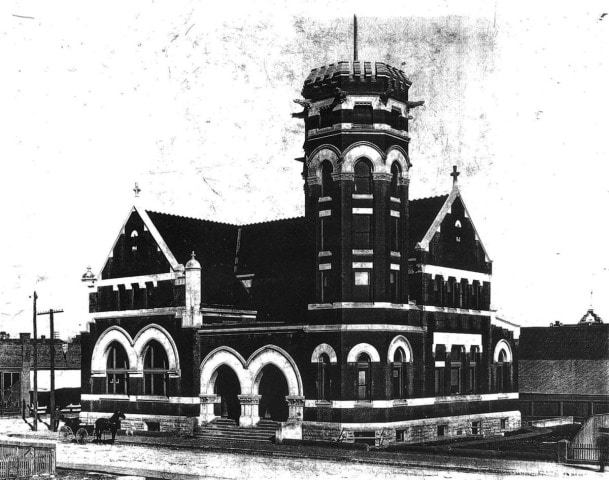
(226,429)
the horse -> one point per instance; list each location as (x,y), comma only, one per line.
(111,425)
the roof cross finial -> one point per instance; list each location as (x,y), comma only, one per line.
(355,38)
(192,255)
(137,190)
(455,174)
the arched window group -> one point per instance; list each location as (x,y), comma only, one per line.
(155,369)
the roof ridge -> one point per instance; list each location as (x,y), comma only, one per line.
(271,221)
(429,197)
(191,217)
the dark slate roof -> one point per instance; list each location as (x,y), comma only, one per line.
(422,212)
(280,255)
(276,253)
(359,77)
(587,341)
(214,244)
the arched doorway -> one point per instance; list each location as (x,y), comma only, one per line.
(228,388)
(273,390)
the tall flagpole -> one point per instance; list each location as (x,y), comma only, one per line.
(354,38)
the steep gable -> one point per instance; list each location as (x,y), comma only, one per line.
(138,250)
(450,238)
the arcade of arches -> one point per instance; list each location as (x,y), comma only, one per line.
(266,386)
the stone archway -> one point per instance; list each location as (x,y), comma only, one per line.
(215,368)
(250,375)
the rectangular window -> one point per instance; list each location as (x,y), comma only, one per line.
(439,381)
(394,284)
(476,428)
(395,234)
(442,430)
(455,380)
(322,234)
(503,423)
(399,435)
(473,383)
(362,287)
(362,114)
(362,384)
(362,278)
(362,232)
(323,286)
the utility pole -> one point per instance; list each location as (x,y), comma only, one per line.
(35,297)
(52,352)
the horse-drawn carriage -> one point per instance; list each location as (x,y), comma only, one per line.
(74,430)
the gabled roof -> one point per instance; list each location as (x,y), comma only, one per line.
(422,213)
(426,210)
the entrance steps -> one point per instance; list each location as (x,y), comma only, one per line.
(226,429)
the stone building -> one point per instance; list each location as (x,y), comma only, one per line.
(564,369)
(368,317)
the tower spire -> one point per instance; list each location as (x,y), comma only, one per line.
(355,38)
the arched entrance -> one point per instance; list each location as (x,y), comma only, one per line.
(273,388)
(227,387)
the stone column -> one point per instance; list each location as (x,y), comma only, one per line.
(296,407)
(207,407)
(249,410)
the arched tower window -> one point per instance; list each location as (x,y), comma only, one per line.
(502,372)
(155,369)
(396,171)
(363,177)
(363,377)
(326,179)
(323,378)
(398,383)
(117,365)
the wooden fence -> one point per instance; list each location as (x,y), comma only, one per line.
(24,459)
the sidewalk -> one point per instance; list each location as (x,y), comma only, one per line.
(140,453)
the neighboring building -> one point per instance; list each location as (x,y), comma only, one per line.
(17,372)
(369,316)
(564,369)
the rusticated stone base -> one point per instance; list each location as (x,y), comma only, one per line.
(414,431)
(141,423)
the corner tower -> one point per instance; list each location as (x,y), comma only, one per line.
(356,171)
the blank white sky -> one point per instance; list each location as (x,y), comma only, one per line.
(194,104)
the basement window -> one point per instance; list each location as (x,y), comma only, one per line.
(442,429)
(475,428)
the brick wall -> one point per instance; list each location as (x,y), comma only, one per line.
(564,376)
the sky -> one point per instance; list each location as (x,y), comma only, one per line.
(194,104)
